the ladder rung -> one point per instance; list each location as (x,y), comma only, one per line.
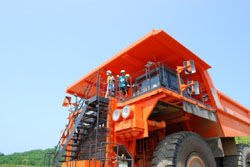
(68,156)
(81,127)
(101,109)
(89,116)
(71,150)
(81,134)
(74,145)
(88,122)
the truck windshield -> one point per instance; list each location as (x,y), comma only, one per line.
(146,82)
(170,79)
(158,77)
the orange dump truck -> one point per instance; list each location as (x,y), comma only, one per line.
(152,104)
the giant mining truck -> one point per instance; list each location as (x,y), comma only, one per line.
(170,116)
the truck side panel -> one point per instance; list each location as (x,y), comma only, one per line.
(233,117)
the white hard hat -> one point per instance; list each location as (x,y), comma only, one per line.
(108,72)
(122,71)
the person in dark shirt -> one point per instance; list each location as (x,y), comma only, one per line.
(122,80)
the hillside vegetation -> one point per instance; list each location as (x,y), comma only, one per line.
(14,165)
(25,159)
(243,140)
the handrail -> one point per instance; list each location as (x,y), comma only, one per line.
(85,93)
(71,134)
(89,88)
(80,105)
(58,146)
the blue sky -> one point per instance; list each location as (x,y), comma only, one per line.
(46,45)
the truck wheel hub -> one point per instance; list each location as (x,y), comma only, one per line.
(195,161)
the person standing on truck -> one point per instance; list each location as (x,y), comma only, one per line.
(127,83)
(113,88)
(110,79)
(122,80)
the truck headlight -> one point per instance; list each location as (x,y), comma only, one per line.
(126,112)
(116,115)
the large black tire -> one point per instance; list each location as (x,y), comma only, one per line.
(240,160)
(219,162)
(177,149)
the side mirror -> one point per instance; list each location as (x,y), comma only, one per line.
(67,101)
(189,67)
(193,88)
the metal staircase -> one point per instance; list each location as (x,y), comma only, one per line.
(87,139)
(93,148)
(70,137)
(88,133)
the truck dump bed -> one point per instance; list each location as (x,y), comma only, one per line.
(133,58)
(233,117)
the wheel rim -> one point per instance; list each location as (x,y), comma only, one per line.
(195,161)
